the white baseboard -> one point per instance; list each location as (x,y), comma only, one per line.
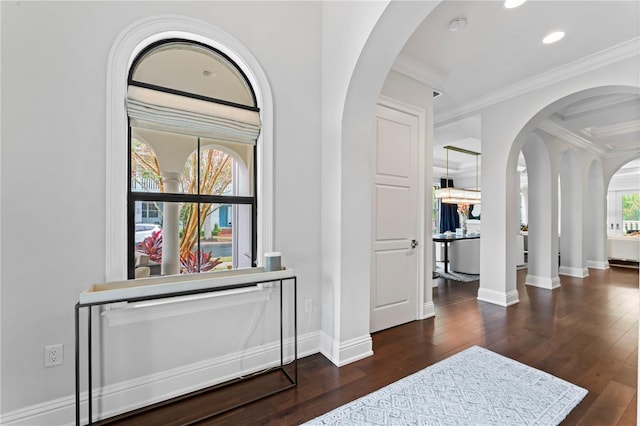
(428,310)
(498,297)
(548,283)
(129,395)
(343,353)
(597,264)
(573,271)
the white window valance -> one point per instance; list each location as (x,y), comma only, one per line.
(168,112)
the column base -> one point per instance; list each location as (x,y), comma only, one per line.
(548,283)
(343,353)
(498,297)
(573,272)
(598,264)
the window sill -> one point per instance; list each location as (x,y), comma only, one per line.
(136,312)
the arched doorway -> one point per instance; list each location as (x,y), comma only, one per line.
(575,176)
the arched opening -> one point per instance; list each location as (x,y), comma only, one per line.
(623,199)
(347,201)
(570,107)
(623,213)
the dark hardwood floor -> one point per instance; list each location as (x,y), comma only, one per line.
(585,332)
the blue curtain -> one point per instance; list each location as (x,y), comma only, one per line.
(449,219)
(472,215)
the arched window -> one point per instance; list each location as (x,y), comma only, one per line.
(193,127)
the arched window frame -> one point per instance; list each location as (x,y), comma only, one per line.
(128,46)
(196,199)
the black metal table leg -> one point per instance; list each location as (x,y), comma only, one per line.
(89,369)
(77,352)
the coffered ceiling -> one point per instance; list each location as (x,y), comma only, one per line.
(500,53)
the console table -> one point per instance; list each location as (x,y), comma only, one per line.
(446,239)
(183,285)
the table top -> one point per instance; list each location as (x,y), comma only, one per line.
(453,237)
(157,287)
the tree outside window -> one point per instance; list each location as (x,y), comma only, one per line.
(199,250)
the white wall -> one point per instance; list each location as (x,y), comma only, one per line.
(345,28)
(347,280)
(53,184)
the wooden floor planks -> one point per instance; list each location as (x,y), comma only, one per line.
(585,332)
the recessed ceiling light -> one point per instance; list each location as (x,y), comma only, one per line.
(208,73)
(457,24)
(553,37)
(510,4)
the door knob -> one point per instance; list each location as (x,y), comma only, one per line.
(414,243)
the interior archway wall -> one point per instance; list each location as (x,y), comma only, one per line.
(505,127)
(610,166)
(346,196)
(347,143)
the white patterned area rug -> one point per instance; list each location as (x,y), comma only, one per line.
(472,387)
(457,276)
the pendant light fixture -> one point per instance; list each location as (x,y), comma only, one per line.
(452,195)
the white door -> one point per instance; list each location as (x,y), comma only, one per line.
(394,274)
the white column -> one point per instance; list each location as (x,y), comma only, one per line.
(572,254)
(207,227)
(595,233)
(542,191)
(500,213)
(524,190)
(170,225)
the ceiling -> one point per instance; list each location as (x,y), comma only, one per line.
(500,49)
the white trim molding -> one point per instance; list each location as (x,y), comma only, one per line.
(548,283)
(428,310)
(620,52)
(554,129)
(573,271)
(127,45)
(143,391)
(498,297)
(597,264)
(343,353)
(417,70)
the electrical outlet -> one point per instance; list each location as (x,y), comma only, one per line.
(53,355)
(308,305)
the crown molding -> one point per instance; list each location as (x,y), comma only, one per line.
(417,70)
(589,63)
(629,152)
(594,105)
(554,129)
(623,128)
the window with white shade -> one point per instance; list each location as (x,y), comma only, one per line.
(193,130)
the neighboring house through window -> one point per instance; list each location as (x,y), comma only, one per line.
(193,130)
